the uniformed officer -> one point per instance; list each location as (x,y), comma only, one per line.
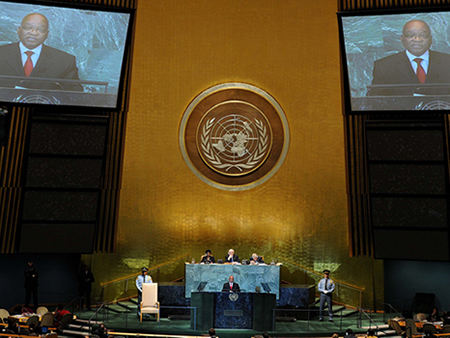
(326,287)
(141,279)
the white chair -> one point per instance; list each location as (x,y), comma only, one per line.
(4,314)
(421,316)
(41,310)
(150,302)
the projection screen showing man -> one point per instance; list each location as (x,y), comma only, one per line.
(398,61)
(61,55)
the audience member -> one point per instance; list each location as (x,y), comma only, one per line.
(59,313)
(35,329)
(428,334)
(265,335)
(212,332)
(349,334)
(335,335)
(446,318)
(434,316)
(102,331)
(13,326)
(371,334)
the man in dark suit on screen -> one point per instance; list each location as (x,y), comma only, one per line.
(417,64)
(32,59)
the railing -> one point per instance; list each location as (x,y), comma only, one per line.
(133,277)
(192,311)
(362,311)
(390,311)
(317,276)
(154,335)
(95,315)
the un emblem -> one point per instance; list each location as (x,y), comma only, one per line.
(234,136)
(232,142)
(233,296)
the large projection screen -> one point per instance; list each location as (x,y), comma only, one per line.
(95,37)
(371,36)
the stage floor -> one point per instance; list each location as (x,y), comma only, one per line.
(129,322)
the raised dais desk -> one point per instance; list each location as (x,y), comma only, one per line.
(211,277)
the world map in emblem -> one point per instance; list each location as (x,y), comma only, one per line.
(234,144)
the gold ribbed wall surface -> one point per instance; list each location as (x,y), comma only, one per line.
(288,48)
(11,163)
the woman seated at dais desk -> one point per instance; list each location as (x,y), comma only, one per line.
(207,258)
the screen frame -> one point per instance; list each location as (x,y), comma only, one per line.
(345,78)
(122,98)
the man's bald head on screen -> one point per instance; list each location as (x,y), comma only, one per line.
(416,37)
(33,30)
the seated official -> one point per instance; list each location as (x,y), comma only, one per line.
(231,257)
(231,286)
(255,259)
(207,258)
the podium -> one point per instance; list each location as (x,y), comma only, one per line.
(411,103)
(229,310)
(204,302)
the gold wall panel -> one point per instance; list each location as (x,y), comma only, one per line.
(288,48)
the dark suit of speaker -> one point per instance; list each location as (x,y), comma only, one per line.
(52,64)
(397,70)
(226,287)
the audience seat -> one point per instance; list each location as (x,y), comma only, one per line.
(47,319)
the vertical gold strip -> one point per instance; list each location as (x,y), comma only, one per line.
(11,163)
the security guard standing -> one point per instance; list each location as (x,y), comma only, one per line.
(141,279)
(326,287)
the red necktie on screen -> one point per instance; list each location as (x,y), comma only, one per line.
(28,68)
(421,75)
(231,286)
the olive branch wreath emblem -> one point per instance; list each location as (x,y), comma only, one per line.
(254,159)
